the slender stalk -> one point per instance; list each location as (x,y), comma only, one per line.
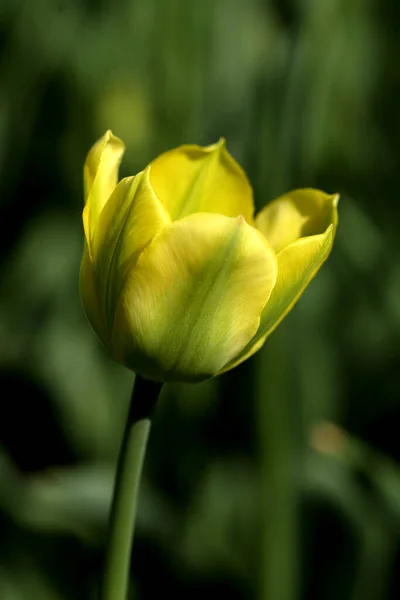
(115,580)
(278,447)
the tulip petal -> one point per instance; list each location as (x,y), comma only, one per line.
(90,298)
(131,218)
(246,353)
(298,263)
(100,175)
(192,179)
(194,298)
(300,213)
(297,266)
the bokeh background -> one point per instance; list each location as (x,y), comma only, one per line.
(279,480)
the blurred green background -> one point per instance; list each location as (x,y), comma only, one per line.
(280,479)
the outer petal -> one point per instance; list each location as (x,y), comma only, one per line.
(297,265)
(100,175)
(193,179)
(194,298)
(246,353)
(90,297)
(131,218)
(299,213)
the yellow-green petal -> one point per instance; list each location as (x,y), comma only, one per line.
(298,263)
(193,301)
(131,218)
(90,297)
(299,213)
(192,179)
(247,353)
(100,175)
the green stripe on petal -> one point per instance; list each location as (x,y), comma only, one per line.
(300,213)
(298,263)
(194,298)
(100,176)
(192,179)
(129,221)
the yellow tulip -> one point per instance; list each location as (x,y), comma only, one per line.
(178,279)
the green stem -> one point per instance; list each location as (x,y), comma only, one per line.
(126,488)
(278,446)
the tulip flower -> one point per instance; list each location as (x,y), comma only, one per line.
(181,282)
(178,278)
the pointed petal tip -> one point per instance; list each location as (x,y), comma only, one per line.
(216,146)
(146,171)
(110,137)
(107,137)
(240,220)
